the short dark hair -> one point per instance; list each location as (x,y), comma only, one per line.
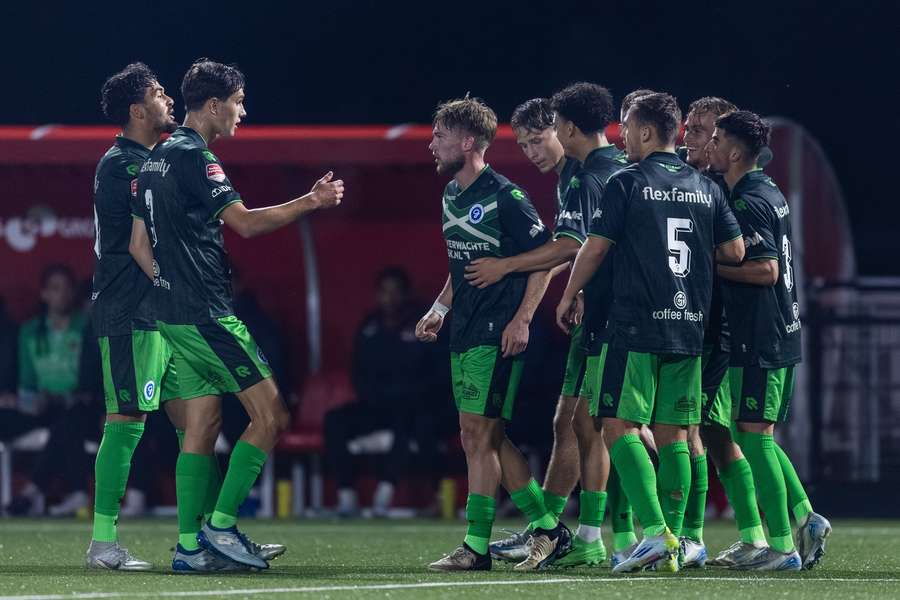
(628,100)
(748,128)
(713,104)
(661,112)
(588,105)
(471,115)
(207,79)
(127,87)
(535,115)
(397,274)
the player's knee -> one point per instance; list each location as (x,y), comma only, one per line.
(562,425)
(475,436)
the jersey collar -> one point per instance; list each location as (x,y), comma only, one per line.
(666,157)
(130,145)
(191,133)
(482,177)
(749,179)
(608,152)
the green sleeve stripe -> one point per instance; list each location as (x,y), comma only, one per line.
(603,237)
(738,236)
(763,257)
(138,217)
(224,206)
(569,234)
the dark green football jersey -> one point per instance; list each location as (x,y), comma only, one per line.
(666,220)
(120,288)
(764,320)
(716,331)
(491,217)
(584,201)
(570,168)
(184,189)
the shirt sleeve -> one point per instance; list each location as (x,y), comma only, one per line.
(136,203)
(608,220)
(207,182)
(520,220)
(579,204)
(755,218)
(725,225)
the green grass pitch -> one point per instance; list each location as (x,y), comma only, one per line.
(386,559)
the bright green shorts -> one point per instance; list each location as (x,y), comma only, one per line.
(715,395)
(760,395)
(574,365)
(485,383)
(642,388)
(215,358)
(138,372)
(593,378)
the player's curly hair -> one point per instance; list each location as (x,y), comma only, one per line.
(748,128)
(713,104)
(123,89)
(588,105)
(659,111)
(628,100)
(471,115)
(534,115)
(207,79)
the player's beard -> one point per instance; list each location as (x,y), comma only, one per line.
(453,167)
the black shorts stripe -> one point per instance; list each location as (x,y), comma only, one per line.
(499,386)
(121,364)
(231,353)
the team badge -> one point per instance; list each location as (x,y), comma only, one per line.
(476,214)
(796,309)
(149,389)
(680,300)
(215,173)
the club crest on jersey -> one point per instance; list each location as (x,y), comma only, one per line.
(215,173)
(149,389)
(261,356)
(476,214)
(796,310)
(680,300)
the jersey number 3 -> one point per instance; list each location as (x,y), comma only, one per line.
(148,202)
(680,263)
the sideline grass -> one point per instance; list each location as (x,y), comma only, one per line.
(42,559)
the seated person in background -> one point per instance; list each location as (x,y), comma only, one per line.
(49,358)
(393,376)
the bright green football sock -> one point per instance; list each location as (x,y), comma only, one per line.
(214,486)
(555,503)
(591,508)
(244,467)
(620,516)
(695,512)
(111,469)
(530,500)
(759,448)
(480,512)
(796,493)
(638,478)
(737,479)
(191,482)
(674,481)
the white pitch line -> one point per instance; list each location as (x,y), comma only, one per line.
(439,584)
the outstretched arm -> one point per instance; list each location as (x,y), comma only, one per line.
(253,222)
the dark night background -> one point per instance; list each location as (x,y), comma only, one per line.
(832,67)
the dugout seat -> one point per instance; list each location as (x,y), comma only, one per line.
(304,443)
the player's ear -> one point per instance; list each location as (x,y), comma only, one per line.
(468,142)
(212,105)
(136,111)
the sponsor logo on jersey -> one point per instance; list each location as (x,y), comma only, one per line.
(149,389)
(796,309)
(680,300)
(134,188)
(476,214)
(221,190)
(571,215)
(242,371)
(677,195)
(156,166)
(132,170)
(782,211)
(517,194)
(536,229)
(210,156)
(215,173)
(598,212)
(470,392)
(740,204)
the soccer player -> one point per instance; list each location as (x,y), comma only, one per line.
(484,214)
(764,319)
(187,197)
(715,413)
(669,223)
(137,373)
(582,111)
(532,124)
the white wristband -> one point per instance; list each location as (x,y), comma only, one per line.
(440,309)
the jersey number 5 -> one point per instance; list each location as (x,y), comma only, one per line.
(680,264)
